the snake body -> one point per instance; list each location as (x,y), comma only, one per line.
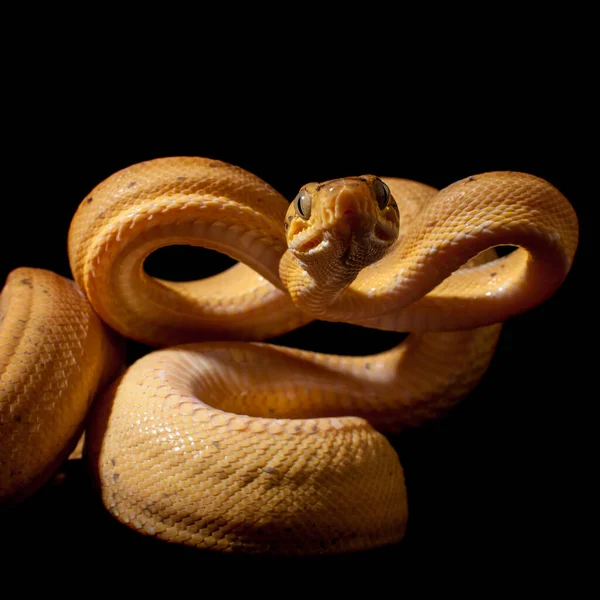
(250,447)
(55,354)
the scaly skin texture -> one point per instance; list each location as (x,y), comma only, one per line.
(247,447)
(55,354)
(177,454)
(419,285)
(185,201)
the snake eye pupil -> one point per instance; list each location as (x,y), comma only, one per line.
(382,193)
(302,204)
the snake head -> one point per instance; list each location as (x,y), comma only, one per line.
(352,221)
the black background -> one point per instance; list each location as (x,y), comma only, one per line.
(495,485)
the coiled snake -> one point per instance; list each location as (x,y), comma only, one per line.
(218,443)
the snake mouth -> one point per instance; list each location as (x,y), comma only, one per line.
(311,244)
(385,232)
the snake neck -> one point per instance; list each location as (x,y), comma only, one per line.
(313,288)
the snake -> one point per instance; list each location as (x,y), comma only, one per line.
(218,439)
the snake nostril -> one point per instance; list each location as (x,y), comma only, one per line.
(346,203)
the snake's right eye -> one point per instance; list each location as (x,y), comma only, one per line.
(302,204)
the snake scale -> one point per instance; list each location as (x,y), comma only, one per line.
(218,440)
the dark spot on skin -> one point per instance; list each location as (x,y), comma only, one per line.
(432,223)
(45,291)
(269,470)
(470,179)
(502,266)
(270,410)
(113,462)
(88,200)
(17,418)
(216,445)
(288,221)
(367,366)
(101,213)
(115,477)
(214,165)
(181,178)
(493,274)
(26,282)
(132,183)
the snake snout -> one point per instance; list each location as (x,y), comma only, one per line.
(346,203)
(350,209)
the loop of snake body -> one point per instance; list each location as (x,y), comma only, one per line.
(219,443)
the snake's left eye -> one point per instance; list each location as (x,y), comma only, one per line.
(302,204)
(382,193)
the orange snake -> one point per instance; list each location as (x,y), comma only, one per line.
(249,447)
